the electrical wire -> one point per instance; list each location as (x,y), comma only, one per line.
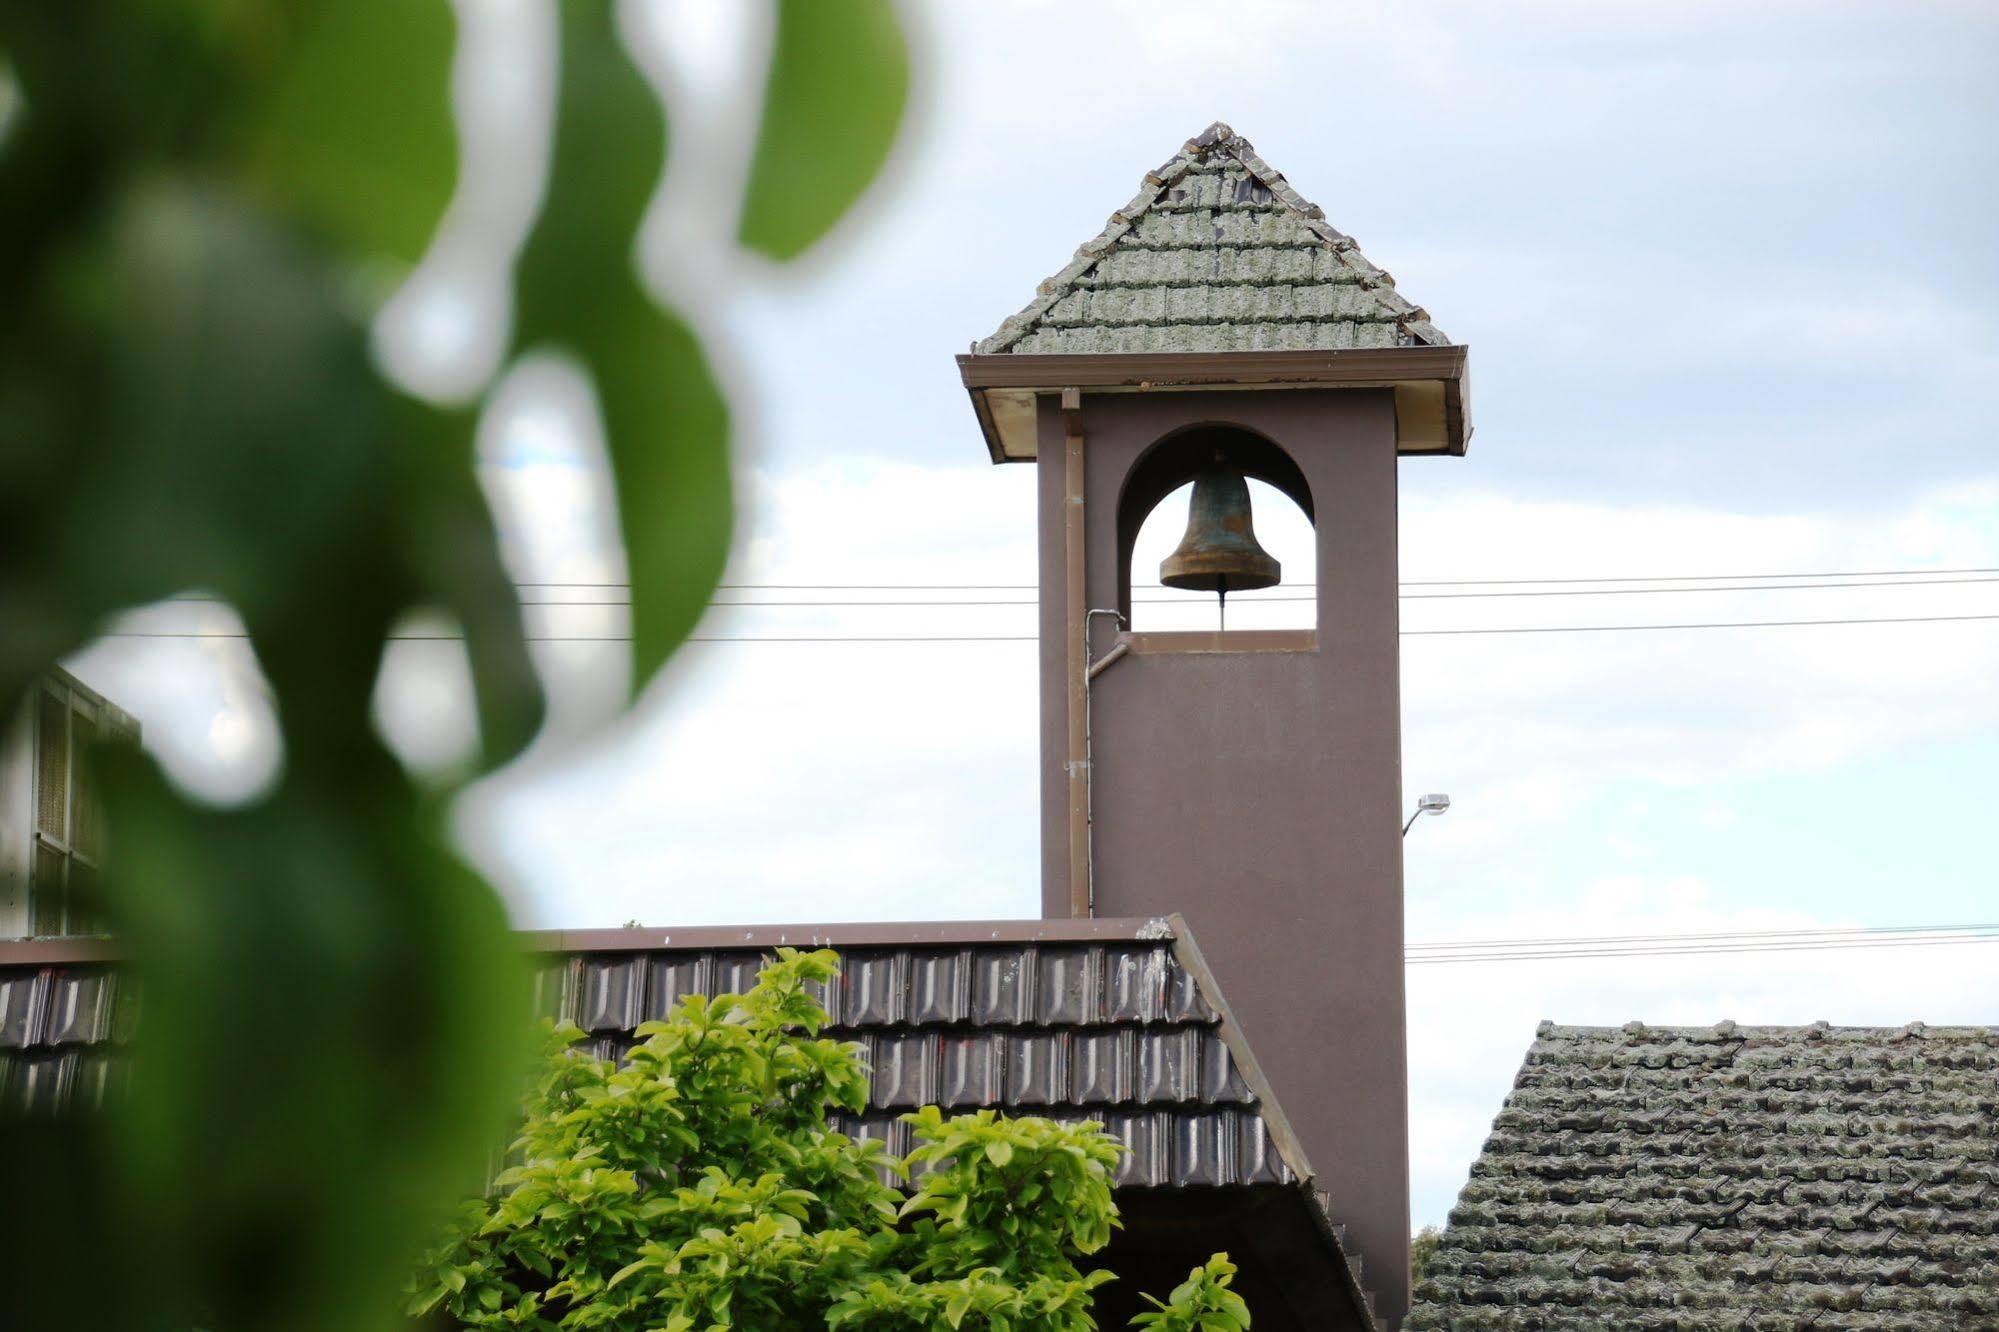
(1595,939)
(1693,578)
(1029,638)
(1433,582)
(1248,598)
(1691,951)
(1711,624)
(626,638)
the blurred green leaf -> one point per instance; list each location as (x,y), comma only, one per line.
(357,136)
(666,424)
(187,400)
(453,549)
(321,1071)
(839,80)
(196,407)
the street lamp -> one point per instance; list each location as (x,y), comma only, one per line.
(1429,804)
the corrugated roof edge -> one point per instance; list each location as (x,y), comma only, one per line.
(1282,1135)
(1731,1031)
(1188,954)
(856,934)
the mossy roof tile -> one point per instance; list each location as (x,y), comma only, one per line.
(1737,1178)
(1216,252)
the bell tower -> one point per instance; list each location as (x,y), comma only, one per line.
(1219,329)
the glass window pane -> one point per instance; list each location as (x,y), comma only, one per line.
(52,767)
(45,891)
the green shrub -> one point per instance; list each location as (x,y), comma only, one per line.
(698,1186)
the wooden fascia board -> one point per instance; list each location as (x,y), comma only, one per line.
(1360,367)
(638,938)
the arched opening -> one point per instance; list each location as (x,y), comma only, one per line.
(1153,511)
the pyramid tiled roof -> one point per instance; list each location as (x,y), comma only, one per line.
(1216,252)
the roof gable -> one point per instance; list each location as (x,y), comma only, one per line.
(1216,252)
(1733,1178)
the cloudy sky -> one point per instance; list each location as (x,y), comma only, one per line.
(1728,278)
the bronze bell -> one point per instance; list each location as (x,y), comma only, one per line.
(1219,552)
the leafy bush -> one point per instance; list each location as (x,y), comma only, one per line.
(1422,1248)
(699,1186)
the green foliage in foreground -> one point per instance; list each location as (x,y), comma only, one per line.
(203,205)
(699,1187)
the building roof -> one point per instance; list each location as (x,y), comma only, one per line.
(1734,1178)
(1113,1020)
(1216,252)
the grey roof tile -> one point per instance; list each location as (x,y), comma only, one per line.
(611,989)
(971,1070)
(874,987)
(1100,1067)
(939,986)
(1216,252)
(1001,978)
(1733,1178)
(1117,1031)
(1037,1069)
(23,1005)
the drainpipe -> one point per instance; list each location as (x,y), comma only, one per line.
(1090,673)
(1076,620)
(1082,668)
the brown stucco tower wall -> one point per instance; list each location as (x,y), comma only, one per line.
(1249,781)
(1258,792)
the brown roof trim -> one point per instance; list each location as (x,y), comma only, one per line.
(1432,385)
(1282,1135)
(857,934)
(1354,366)
(59,952)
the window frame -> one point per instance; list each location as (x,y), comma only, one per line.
(67,916)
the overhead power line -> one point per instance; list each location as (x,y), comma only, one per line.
(1851,931)
(1433,582)
(1696,945)
(1029,638)
(1695,578)
(1250,599)
(1711,624)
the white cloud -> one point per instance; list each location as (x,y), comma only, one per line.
(203,708)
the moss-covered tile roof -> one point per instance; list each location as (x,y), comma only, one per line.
(1738,1178)
(1216,252)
